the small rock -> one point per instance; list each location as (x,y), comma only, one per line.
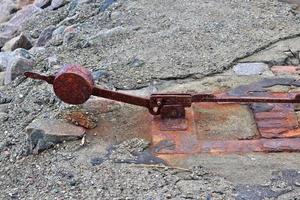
(100,74)
(247,69)
(55,4)
(42,3)
(293,61)
(59,31)
(44,133)
(115,15)
(17,65)
(3,117)
(52,61)
(69,20)
(297,183)
(20,41)
(106,4)
(72,5)
(45,36)
(3,108)
(135,62)
(69,34)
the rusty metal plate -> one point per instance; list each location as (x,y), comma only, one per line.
(221,127)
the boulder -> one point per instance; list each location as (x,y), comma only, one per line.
(20,41)
(44,133)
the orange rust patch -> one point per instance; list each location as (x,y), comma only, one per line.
(274,131)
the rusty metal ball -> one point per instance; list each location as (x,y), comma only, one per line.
(73,84)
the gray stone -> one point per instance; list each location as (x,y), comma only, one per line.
(15,63)
(3,117)
(44,133)
(135,62)
(17,67)
(45,36)
(100,74)
(246,69)
(55,4)
(23,53)
(59,30)
(42,3)
(20,41)
(3,108)
(5,59)
(106,4)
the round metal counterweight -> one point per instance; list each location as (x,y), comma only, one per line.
(73,84)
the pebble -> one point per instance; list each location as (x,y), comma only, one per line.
(100,74)
(45,133)
(42,3)
(55,4)
(247,69)
(135,62)
(20,41)
(106,4)
(297,183)
(3,117)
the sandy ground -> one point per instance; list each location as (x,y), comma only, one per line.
(171,46)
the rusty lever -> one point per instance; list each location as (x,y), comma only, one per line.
(74,84)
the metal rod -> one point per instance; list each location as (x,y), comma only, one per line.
(118,96)
(212,98)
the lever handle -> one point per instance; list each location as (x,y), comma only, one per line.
(48,79)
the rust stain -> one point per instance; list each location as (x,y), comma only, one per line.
(239,146)
(227,123)
(285,69)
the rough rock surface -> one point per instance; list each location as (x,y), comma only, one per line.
(15,63)
(20,41)
(223,32)
(45,133)
(247,69)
